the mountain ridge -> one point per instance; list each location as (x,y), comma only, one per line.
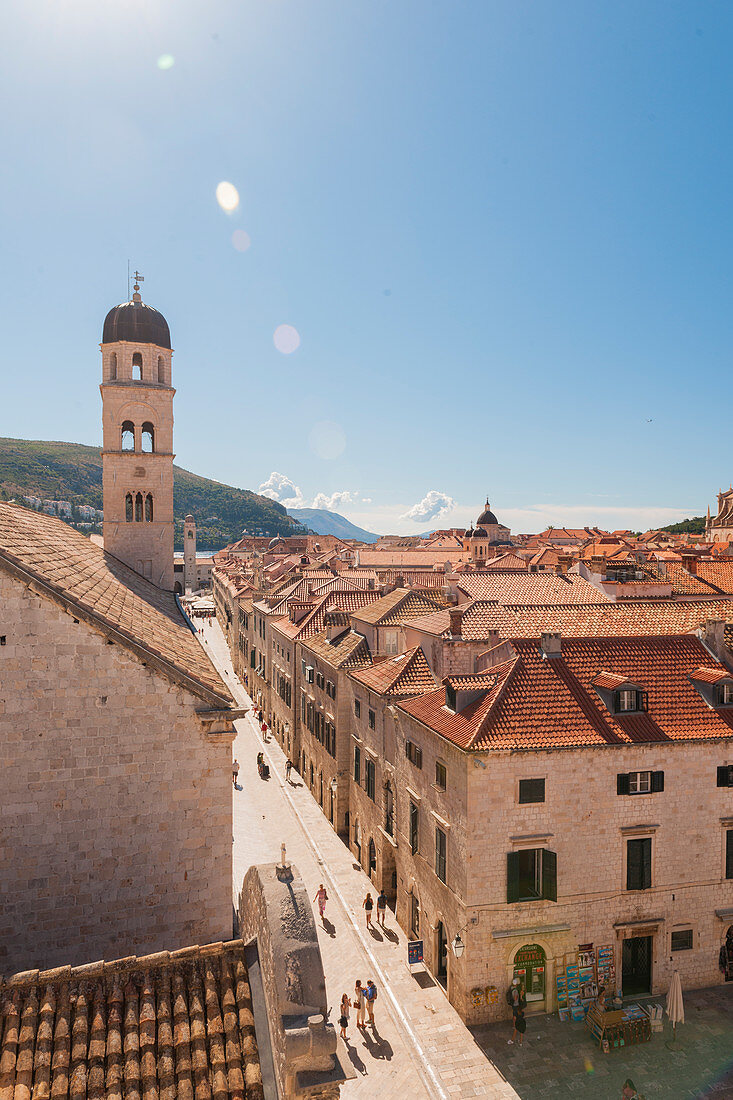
(324,522)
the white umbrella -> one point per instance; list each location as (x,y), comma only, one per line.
(675,1004)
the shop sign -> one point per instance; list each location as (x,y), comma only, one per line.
(414,952)
(531,955)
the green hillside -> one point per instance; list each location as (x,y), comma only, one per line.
(73,472)
(694,526)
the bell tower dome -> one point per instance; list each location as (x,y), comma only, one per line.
(137,438)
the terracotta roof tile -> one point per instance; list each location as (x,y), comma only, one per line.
(71,569)
(347,650)
(397,607)
(165,1026)
(532,588)
(709,675)
(538,703)
(407,674)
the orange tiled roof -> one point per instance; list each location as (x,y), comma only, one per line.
(177,1023)
(615,619)
(507,561)
(709,675)
(532,588)
(683,583)
(397,607)
(611,681)
(718,573)
(347,650)
(404,675)
(537,704)
(479,620)
(70,569)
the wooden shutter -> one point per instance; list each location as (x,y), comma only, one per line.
(729,853)
(622,783)
(549,875)
(646,863)
(724,776)
(418,757)
(512,876)
(657,781)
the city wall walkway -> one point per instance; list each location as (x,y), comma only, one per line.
(419,1047)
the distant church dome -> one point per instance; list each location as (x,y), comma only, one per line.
(136,322)
(487,516)
(479,533)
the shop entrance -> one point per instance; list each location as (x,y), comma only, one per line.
(636,972)
(530,966)
(441,972)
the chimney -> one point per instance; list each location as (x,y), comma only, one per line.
(550,645)
(399,581)
(456,620)
(370,584)
(689,561)
(713,635)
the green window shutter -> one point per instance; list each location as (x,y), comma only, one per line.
(657,781)
(646,863)
(512,876)
(549,875)
(622,783)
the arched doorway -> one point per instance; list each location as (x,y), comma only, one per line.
(372,858)
(530,966)
(441,955)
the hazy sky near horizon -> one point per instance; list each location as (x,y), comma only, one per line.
(501,230)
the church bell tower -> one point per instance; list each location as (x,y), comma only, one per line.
(137,439)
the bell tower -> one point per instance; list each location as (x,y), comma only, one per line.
(137,438)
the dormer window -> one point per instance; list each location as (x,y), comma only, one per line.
(450,697)
(629,700)
(724,695)
(714,684)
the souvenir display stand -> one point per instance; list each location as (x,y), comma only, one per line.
(619,1027)
(576,983)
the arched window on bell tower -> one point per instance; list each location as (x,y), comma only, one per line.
(138,507)
(137,366)
(149,508)
(113,366)
(148,438)
(128,507)
(127,442)
(161,369)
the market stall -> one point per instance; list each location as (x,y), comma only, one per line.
(618,1027)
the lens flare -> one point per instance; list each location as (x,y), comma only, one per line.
(241,240)
(286,339)
(327,439)
(227,196)
(166,61)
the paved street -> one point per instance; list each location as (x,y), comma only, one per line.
(420,1047)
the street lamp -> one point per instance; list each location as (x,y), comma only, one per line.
(334,785)
(458,945)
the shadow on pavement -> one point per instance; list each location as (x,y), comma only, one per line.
(375,934)
(376,1045)
(423,979)
(354,1058)
(390,935)
(328,928)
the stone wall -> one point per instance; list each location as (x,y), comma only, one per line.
(115,816)
(275,910)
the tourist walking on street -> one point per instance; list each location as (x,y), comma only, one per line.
(235,772)
(368,905)
(344,1017)
(288,769)
(629,1091)
(381,907)
(520,1026)
(370,996)
(359,1003)
(321,897)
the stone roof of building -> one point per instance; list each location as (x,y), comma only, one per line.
(66,567)
(173,1024)
(404,675)
(397,607)
(536,703)
(532,588)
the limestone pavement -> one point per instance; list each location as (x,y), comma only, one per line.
(419,1047)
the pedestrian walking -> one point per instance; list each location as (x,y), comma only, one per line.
(370,996)
(288,769)
(344,1017)
(629,1091)
(368,905)
(520,1026)
(359,1003)
(321,897)
(235,772)
(381,907)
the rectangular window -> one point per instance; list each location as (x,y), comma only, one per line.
(725,775)
(369,777)
(390,642)
(372,720)
(441,775)
(413,753)
(682,941)
(629,699)
(531,790)
(725,695)
(357,708)
(729,853)
(357,764)
(639,782)
(414,828)
(440,848)
(532,875)
(639,864)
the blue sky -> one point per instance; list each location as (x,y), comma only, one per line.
(501,230)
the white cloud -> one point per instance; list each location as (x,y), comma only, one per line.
(335,500)
(432,505)
(279,487)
